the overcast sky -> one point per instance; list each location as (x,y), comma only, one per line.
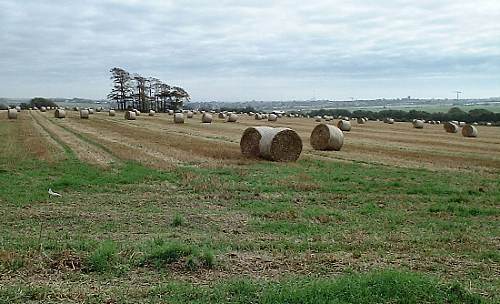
(261,49)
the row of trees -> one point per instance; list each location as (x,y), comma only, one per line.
(35,102)
(455,113)
(138,92)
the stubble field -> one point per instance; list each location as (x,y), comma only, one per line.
(153,211)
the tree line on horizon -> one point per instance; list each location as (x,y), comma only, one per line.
(454,113)
(144,93)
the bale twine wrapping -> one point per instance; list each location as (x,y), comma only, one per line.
(276,144)
(272,117)
(84,114)
(43,109)
(178,118)
(344,125)
(59,113)
(361,120)
(206,118)
(327,138)
(151,113)
(418,124)
(112,113)
(130,115)
(450,127)
(469,131)
(232,117)
(12,113)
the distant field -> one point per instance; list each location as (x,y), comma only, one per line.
(433,108)
(162,213)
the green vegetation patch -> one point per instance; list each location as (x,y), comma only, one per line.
(375,287)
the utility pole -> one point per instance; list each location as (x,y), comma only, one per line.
(458,93)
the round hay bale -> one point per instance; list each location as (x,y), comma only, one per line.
(317,118)
(327,138)
(344,125)
(130,115)
(469,131)
(170,112)
(461,124)
(222,115)
(232,117)
(438,122)
(112,113)
(18,108)
(258,116)
(178,118)
(137,112)
(12,113)
(272,117)
(189,114)
(206,118)
(43,109)
(488,124)
(151,113)
(91,111)
(84,114)
(59,113)
(455,122)
(450,127)
(3,106)
(99,109)
(418,124)
(276,144)
(361,120)
(76,109)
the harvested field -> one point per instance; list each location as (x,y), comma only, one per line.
(153,209)
(374,142)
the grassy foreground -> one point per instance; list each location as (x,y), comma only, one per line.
(308,232)
(377,287)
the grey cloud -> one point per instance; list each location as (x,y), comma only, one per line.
(46,42)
